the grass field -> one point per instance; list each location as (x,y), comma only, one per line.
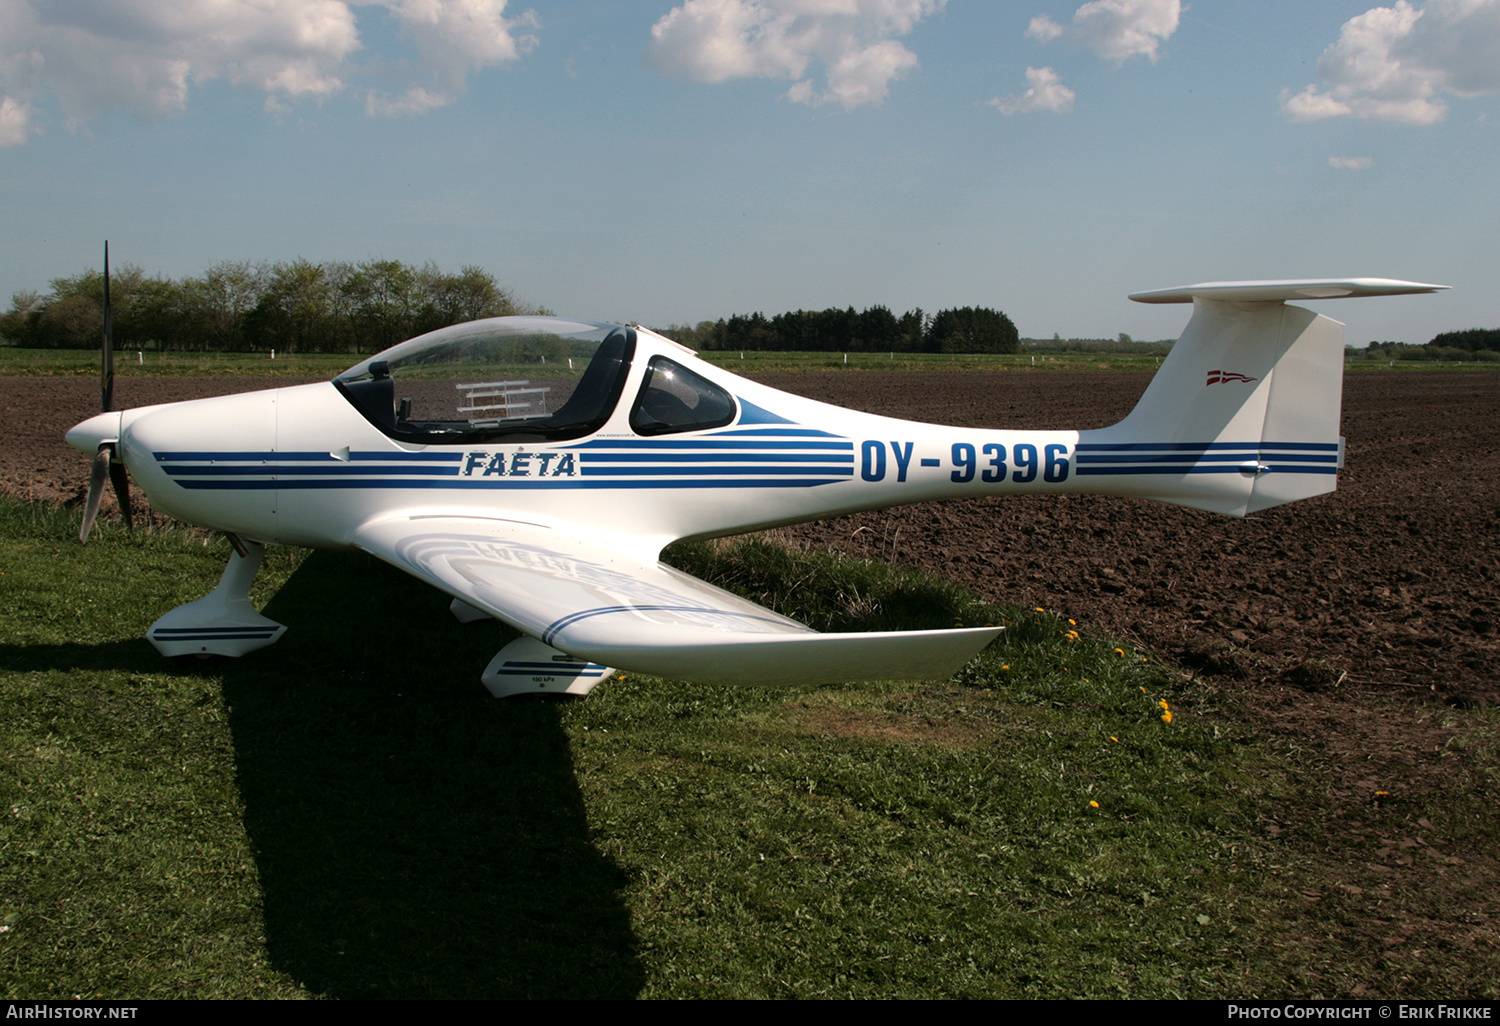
(753,362)
(178,365)
(349,814)
(59,361)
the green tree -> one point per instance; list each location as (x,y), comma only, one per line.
(295,310)
(382,296)
(18,324)
(469,295)
(972,330)
(217,304)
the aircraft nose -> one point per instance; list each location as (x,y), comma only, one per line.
(88,435)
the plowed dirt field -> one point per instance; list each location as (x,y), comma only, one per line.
(1391,581)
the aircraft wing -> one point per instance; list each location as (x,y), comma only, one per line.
(596,604)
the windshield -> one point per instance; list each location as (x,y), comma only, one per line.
(517,378)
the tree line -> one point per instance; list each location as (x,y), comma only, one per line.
(339,307)
(1472,345)
(1471,339)
(300,306)
(874,330)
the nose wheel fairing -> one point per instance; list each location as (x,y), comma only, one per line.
(223,622)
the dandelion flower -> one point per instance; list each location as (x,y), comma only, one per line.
(1005,666)
(1163,704)
(1166,717)
(1039,609)
(1073,622)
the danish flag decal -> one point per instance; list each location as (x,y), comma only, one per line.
(1222,377)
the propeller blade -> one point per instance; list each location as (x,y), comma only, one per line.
(97,473)
(107,353)
(121,481)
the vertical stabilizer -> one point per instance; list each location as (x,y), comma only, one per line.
(1244,413)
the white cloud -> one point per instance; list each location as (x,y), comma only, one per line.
(1115,30)
(1395,63)
(454,38)
(1044,30)
(14,122)
(1350,163)
(142,55)
(1045,92)
(145,56)
(719,40)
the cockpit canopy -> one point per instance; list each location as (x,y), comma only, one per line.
(505,378)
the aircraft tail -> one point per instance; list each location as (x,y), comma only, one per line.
(1244,413)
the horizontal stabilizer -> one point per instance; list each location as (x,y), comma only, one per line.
(1286,290)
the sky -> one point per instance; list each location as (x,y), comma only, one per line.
(668,162)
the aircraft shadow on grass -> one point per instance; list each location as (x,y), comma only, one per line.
(414,838)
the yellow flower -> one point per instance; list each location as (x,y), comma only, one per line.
(1120,652)
(1114,739)
(1093,805)
(1073,622)
(1166,717)
(1163,704)
(1039,609)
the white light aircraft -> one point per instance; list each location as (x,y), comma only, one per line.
(533,468)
